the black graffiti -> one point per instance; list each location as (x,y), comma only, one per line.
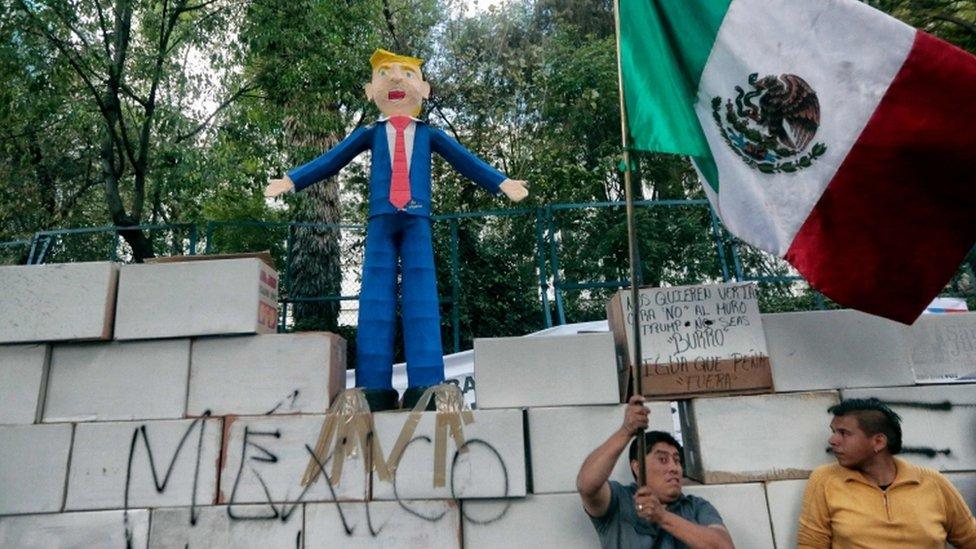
(253,449)
(265,456)
(161,485)
(290,399)
(943,406)
(926,451)
(508,503)
(396,491)
(325,476)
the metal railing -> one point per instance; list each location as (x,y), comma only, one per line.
(575,252)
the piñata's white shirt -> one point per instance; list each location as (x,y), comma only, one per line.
(408,134)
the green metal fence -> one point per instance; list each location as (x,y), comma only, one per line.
(106,243)
(565,258)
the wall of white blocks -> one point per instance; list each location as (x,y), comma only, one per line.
(187,435)
(23,376)
(118,381)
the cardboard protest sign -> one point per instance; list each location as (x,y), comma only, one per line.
(694,339)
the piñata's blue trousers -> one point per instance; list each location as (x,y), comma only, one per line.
(407,238)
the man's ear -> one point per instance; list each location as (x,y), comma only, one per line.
(369,90)
(634,466)
(880,442)
(424,89)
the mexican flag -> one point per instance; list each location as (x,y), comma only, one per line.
(825,131)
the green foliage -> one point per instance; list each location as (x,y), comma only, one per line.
(245,90)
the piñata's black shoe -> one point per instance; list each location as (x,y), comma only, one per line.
(381,400)
(412,396)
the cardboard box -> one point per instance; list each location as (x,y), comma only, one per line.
(198,295)
(695,340)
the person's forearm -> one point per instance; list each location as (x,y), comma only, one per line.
(599,464)
(694,535)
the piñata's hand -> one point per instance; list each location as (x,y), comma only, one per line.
(278,186)
(515,189)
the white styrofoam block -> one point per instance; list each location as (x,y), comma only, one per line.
(951,433)
(493,465)
(118,381)
(270,452)
(23,371)
(743,510)
(194,298)
(214,527)
(756,437)
(253,375)
(57,302)
(966,484)
(785,504)
(549,520)
(815,350)
(33,465)
(568,370)
(560,438)
(76,530)
(389,525)
(943,347)
(183,454)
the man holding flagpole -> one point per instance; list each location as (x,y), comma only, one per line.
(656,514)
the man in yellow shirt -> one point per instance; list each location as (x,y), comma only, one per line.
(871,499)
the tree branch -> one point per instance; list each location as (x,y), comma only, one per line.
(67,23)
(388,16)
(179,39)
(970,27)
(131,94)
(188,9)
(103,25)
(68,53)
(234,97)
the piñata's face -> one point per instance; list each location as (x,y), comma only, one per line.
(398,89)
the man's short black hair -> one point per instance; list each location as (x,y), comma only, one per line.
(653,437)
(874,417)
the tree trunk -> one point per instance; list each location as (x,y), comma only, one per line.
(316,265)
(142,246)
(316,260)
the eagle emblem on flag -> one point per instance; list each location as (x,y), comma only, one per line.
(771,125)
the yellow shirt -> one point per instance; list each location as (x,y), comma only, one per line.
(920,509)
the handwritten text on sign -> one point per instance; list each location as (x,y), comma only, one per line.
(701,338)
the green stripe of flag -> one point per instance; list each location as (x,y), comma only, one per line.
(664,45)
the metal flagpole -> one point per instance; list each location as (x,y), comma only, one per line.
(632,245)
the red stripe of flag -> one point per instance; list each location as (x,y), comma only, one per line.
(900,214)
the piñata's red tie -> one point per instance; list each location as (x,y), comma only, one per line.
(400,182)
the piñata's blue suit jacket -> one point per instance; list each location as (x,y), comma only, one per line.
(398,235)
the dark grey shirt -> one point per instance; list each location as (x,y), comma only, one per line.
(621,528)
